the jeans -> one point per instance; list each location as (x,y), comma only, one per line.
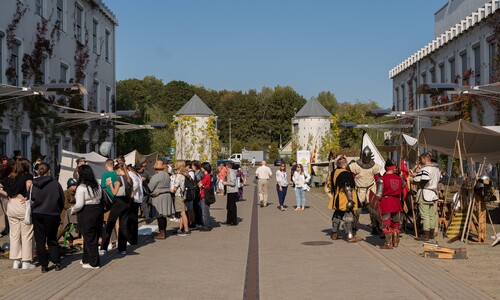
(232,214)
(45,234)
(281,194)
(205,212)
(300,196)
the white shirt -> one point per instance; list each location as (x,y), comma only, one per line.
(263,172)
(83,197)
(300,180)
(281,178)
(137,186)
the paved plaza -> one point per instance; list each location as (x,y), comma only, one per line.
(270,255)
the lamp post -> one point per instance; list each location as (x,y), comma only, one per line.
(230,149)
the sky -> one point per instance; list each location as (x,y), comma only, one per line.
(346,47)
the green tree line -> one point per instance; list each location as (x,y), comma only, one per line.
(258,118)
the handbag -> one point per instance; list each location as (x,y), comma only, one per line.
(107,201)
(209,196)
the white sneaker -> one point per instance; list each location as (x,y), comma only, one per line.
(88,266)
(123,253)
(81,262)
(110,247)
(17,264)
(28,265)
(101,253)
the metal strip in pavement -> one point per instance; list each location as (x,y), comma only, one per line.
(251,290)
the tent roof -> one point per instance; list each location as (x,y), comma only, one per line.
(313,109)
(476,142)
(195,107)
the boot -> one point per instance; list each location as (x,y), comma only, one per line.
(161,235)
(431,234)
(388,241)
(374,230)
(334,236)
(424,237)
(395,239)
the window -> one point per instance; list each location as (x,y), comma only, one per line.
(24,143)
(463,61)
(63,73)
(1,56)
(60,12)
(39,7)
(106,45)
(491,59)
(403,97)
(433,75)
(108,98)
(43,71)
(453,72)
(15,63)
(66,144)
(79,23)
(93,146)
(477,65)
(396,93)
(95,96)
(424,97)
(441,73)
(3,142)
(94,36)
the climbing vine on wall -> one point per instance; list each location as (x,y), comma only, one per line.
(31,65)
(11,71)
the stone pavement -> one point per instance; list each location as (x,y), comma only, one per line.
(290,256)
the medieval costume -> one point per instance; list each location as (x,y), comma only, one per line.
(365,170)
(343,201)
(389,190)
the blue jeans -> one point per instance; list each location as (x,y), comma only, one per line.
(281,194)
(300,196)
(205,212)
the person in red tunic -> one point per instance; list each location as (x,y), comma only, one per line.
(390,204)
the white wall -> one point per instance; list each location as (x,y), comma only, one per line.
(314,127)
(190,140)
(98,68)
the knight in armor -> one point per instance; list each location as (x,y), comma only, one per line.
(389,190)
(427,195)
(365,170)
(343,201)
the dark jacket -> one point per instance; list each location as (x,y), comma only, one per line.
(47,196)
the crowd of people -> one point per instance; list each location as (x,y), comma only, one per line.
(40,212)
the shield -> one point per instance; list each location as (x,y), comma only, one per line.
(375,208)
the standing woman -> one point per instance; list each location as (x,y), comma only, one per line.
(133,218)
(300,179)
(161,199)
(282,185)
(15,186)
(47,203)
(205,183)
(180,174)
(90,215)
(119,211)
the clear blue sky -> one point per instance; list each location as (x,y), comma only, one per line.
(346,47)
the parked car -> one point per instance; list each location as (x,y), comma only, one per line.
(279,161)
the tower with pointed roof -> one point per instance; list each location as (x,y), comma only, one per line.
(195,131)
(310,125)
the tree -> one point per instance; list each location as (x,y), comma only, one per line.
(328,100)
(274,150)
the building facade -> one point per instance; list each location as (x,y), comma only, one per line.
(56,41)
(463,51)
(310,125)
(195,132)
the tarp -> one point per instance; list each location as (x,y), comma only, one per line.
(136,157)
(377,157)
(476,142)
(68,165)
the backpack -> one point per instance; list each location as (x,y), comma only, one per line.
(189,189)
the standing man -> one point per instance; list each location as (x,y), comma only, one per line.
(120,159)
(253,162)
(263,174)
(427,194)
(343,201)
(365,170)
(391,186)
(79,162)
(232,195)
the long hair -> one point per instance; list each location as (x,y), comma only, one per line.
(22,166)
(301,169)
(86,176)
(180,166)
(207,167)
(124,169)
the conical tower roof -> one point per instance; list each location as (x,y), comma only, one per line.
(195,107)
(313,109)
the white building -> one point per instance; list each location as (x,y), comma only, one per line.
(77,46)
(464,44)
(311,123)
(195,131)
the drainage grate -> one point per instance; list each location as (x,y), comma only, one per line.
(316,243)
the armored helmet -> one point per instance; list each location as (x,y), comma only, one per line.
(366,155)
